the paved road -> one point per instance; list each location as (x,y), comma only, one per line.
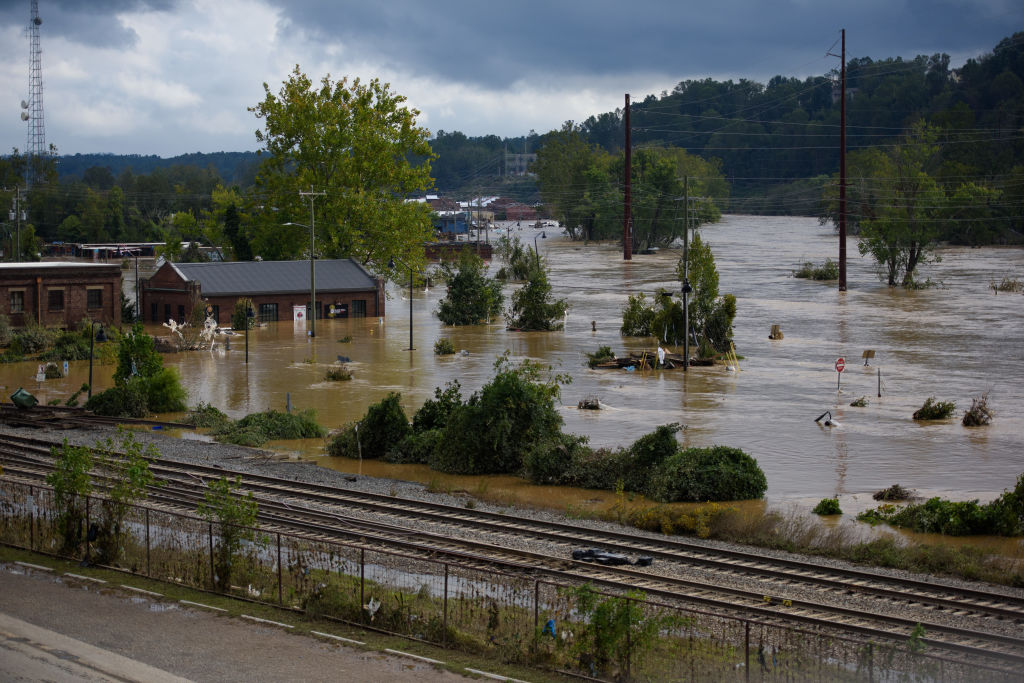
(56,628)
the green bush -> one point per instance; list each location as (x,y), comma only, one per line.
(934,410)
(979,413)
(33,338)
(164,393)
(603,354)
(827,506)
(717,473)
(894,492)
(129,399)
(382,428)
(533,307)
(338,373)
(444,347)
(207,416)
(416,448)
(258,428)
(240,318)
(637,317)
(435,412)
(550,465)
(861,402)
(494,430)
(826,271)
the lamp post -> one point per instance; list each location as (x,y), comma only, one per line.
(391,265)
(536,252)
(312,278)
(97,336)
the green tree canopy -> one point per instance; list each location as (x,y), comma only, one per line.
(352,141)
(472,297)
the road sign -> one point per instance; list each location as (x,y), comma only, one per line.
(840,364)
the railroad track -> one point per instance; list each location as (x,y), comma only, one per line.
(325,512)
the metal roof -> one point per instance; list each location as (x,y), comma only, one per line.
(276,277)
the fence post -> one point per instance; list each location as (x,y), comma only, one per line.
(88,521)
(444,632)
(32,521)
(871,662)
(280,588)
(536,612)
(213,577)
(362,583)
(629,640)
(746,646)
(148,572)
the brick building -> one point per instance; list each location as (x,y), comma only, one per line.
(277,288)
(58,294)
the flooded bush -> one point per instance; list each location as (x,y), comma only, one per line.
(533,306)
(434,413)
(207,416)
(934,410)
(472,297)
(258,428)
(125,400)
(979,413)
(602,354)
(637,317)
(1008,284)
(827,506)
(444,347)
(382,428)
(338,373)
(1002,517)
(894,492)
(861,402)
(829,270)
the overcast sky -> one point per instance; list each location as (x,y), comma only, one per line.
(168,77)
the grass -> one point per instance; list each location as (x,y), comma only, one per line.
(258,428)
(338,373)
(444,347)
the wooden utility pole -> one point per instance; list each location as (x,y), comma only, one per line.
(842,169)
(627,223)
(312,260)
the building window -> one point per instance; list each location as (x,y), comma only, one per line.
(181,314)
(268,313)
(358,308)
(17,302)
(55,301)
(94,298)
(154,312)
(167,312)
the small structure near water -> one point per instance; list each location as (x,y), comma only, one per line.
(648,360)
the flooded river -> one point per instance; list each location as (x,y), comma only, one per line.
(953,342)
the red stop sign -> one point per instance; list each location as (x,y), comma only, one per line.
(840,365)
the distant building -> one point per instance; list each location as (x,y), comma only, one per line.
(344,289)
(58,294)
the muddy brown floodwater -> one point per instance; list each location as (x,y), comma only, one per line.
(954,342)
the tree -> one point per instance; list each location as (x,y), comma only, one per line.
(141,383)
(532,306)
(354,142)
(472,297)
(561,167)
(127,477)
(235,515)
(710,315)
(71,484)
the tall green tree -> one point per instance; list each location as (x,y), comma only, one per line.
(353,141)
(472,297)
(710,315)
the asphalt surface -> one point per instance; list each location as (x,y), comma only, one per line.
(59,628)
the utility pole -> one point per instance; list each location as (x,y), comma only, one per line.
(686,274)
(627,223)
(312,259)
(17,215)
(842,161)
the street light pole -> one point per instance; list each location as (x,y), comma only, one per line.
(312,258)
(536,251)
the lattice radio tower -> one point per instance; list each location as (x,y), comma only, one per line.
(32,110)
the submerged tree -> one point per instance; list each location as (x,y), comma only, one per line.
(710,315)
(533,307)
(472,297)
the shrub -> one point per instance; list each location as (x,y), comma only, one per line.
(240,317)
(861,402)
(603,354)
(416,448)
(637,317)
(978,414)
(258,428)
(33,338)
(894,492)
(934,410)
(123,400)
(53,371)
(236,515)
(519,260)
(207,416)
(164,393)
(338,373)
(717,473)
(829,270)
(382,428)
(435,412)
(1008,284)
(71,484)
(5,330)
(444,347)
(550,464)
(827,506)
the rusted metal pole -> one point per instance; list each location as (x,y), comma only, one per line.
(842,169)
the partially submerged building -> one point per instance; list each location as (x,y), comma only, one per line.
(59,294)
(279,290)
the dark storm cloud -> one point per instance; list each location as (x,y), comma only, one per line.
(88,22)
(495,44)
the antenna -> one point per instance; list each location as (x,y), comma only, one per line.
(32,110)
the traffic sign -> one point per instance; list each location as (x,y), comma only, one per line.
(840,364)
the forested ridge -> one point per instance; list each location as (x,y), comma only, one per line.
(751,147)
